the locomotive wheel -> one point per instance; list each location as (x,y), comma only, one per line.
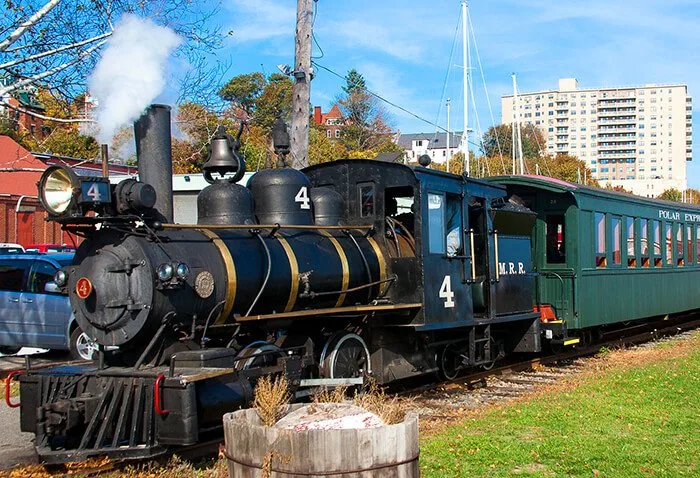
(258,354)
(450,362)
(345,355)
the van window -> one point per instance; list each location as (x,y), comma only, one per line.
(12,274)
(556,239)
(436,224)
(41,273)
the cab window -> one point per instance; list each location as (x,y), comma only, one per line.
(436,224)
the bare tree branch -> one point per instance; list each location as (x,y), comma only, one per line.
(49,118)
(18,61)
(52,71)
(15,35)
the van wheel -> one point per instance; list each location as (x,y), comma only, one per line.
(82,347)
(7,350)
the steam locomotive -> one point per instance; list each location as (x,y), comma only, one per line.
(327,275)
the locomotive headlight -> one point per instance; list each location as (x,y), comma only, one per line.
(165,272)
(57,188)
(182,271)
(60,278)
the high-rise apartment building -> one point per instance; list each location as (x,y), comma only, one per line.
(636,137)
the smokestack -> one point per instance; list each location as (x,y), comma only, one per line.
(153,150)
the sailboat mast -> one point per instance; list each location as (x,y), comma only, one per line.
(448,136)
(465,79)
(518,134)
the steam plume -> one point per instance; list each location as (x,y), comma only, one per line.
(131,72)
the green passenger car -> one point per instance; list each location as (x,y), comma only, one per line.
(604,257)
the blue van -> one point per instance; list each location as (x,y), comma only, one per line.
(33,312)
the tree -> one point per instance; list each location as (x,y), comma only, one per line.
(498,140)
(197,123)
(563,166)
(618,188)
(259,99)
(672,194)
(354,81)
(244,90)
(58,42)
(322,149)
(366,122)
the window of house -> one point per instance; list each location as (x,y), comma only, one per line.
(328,133)
(436,224)
(556,239)
(337,133)
(599,224)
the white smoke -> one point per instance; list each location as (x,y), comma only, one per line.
(131,73)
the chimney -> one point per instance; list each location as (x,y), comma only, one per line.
(153,150)
(317,114)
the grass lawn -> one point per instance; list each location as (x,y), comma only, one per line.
(638,417)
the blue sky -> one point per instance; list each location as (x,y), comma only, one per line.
(403,49)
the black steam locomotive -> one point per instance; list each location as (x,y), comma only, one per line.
(328,275)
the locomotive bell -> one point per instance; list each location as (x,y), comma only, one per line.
(222,157)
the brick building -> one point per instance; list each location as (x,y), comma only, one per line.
(331,121)
(21,215)
(22,218)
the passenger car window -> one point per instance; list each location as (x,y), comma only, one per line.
(669,244)
(599,224)
(436,224)
(644,241)
(41,273)
(631,256)
(12,274)
(656,250)
(617,231)
(556,239)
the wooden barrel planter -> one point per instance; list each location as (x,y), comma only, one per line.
(255,450)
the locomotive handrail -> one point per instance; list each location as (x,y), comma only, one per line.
(8,381)
(495,246)
(264,226)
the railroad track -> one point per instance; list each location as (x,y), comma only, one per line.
(438,401)
(505,382)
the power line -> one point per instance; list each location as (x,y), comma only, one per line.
(432,123)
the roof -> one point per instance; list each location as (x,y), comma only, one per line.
(20,170)
(390,157)
(436,140)
(557,185)
(28,100)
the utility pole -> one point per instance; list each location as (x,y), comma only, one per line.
(448,135)
(301,90)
